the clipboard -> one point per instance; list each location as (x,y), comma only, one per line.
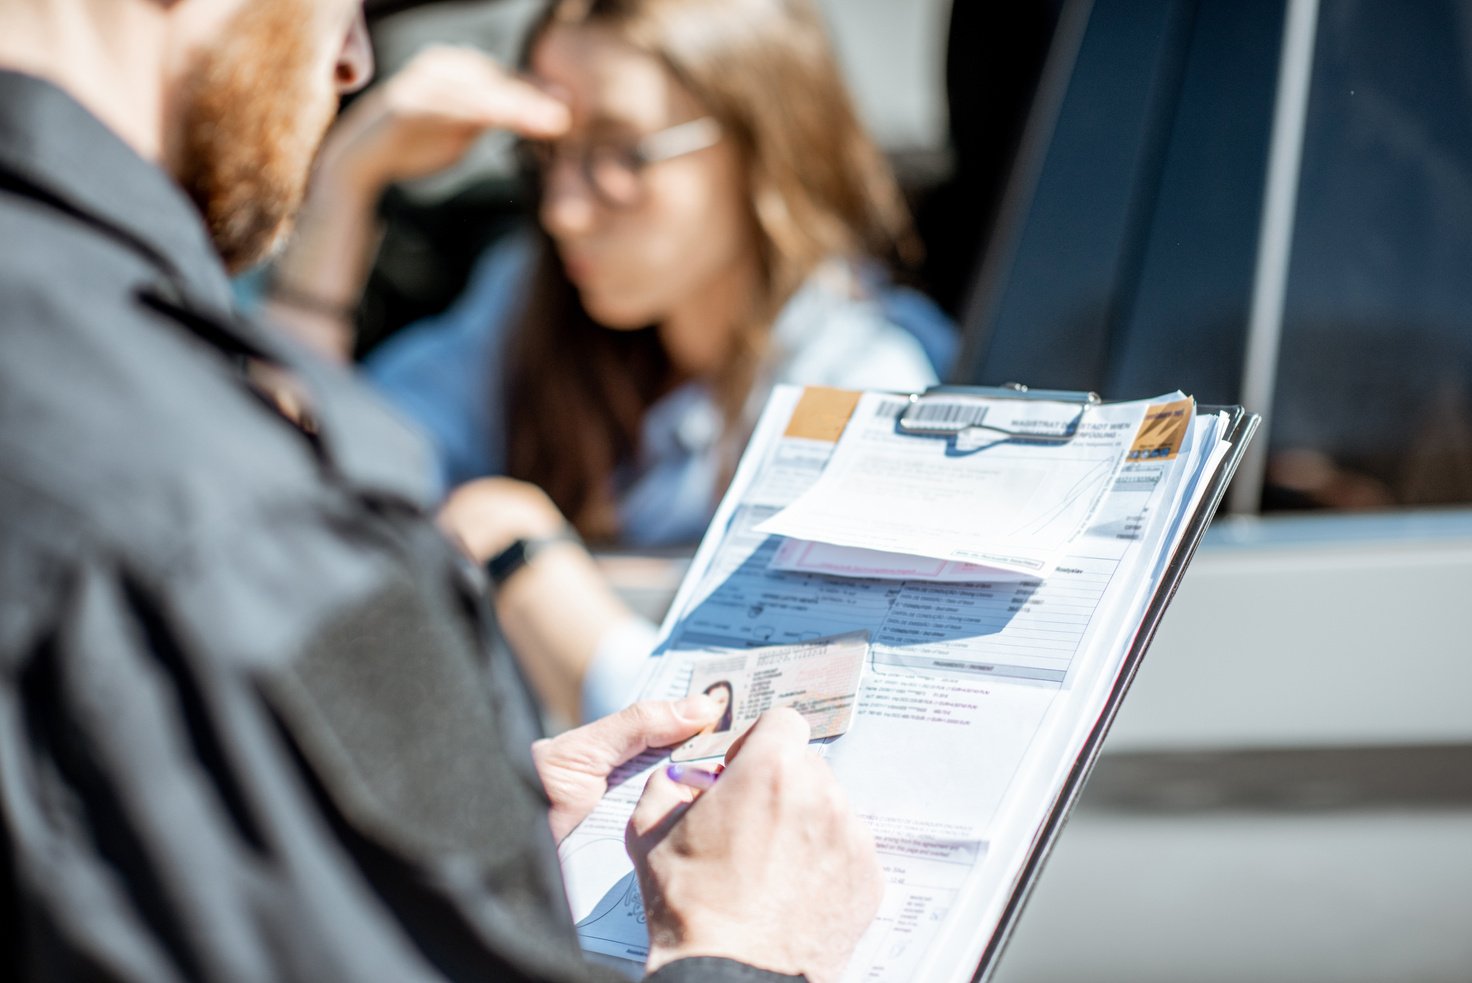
(731,599)
(948,411)
(1240,428)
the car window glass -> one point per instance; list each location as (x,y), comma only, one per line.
(1374,393)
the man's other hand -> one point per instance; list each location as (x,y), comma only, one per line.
(574,766)
(770,866)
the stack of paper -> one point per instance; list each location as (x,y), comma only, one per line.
(1000,583)
(1015,505)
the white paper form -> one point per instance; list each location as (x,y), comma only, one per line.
(803,556)
(982,900)
(1013,505)
(960,729)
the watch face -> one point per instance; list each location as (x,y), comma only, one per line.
(374,9)
(501,566)
(522,551)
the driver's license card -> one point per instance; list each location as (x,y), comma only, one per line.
(819,679)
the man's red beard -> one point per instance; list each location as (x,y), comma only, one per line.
(253,115)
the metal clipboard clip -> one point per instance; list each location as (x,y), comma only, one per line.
(949,411)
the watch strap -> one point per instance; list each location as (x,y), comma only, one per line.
(522,550)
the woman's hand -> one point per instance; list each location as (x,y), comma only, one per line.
(424,119)
(557,609)
(418,122)
(486,515)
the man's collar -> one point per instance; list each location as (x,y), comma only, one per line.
(51,143)
(59,152)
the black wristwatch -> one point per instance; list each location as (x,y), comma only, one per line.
(503,566)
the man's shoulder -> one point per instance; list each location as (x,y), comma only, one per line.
(51,259)
(98,470)
(130,437)
(168,520)
(123,422)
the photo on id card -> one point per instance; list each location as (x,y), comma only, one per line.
(818,679)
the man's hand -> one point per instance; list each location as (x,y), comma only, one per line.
(770,866)
(574,765)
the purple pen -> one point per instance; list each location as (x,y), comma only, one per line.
(692,776)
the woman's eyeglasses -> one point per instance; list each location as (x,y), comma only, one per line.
(614,170)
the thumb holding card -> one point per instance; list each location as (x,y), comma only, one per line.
(818,679)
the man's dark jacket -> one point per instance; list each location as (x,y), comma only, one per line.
(249,729)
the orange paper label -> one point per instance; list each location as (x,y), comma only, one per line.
(822,413)
(1163,431)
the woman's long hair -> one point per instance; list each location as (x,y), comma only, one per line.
(724,724)
(816,187)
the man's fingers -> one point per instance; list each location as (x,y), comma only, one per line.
(607,743)
(662,804)
(774,731)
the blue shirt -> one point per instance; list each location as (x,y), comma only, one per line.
(844,327)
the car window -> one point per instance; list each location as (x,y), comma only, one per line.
(1125,257)
(1374,394)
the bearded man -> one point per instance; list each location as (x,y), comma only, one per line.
(249,723)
